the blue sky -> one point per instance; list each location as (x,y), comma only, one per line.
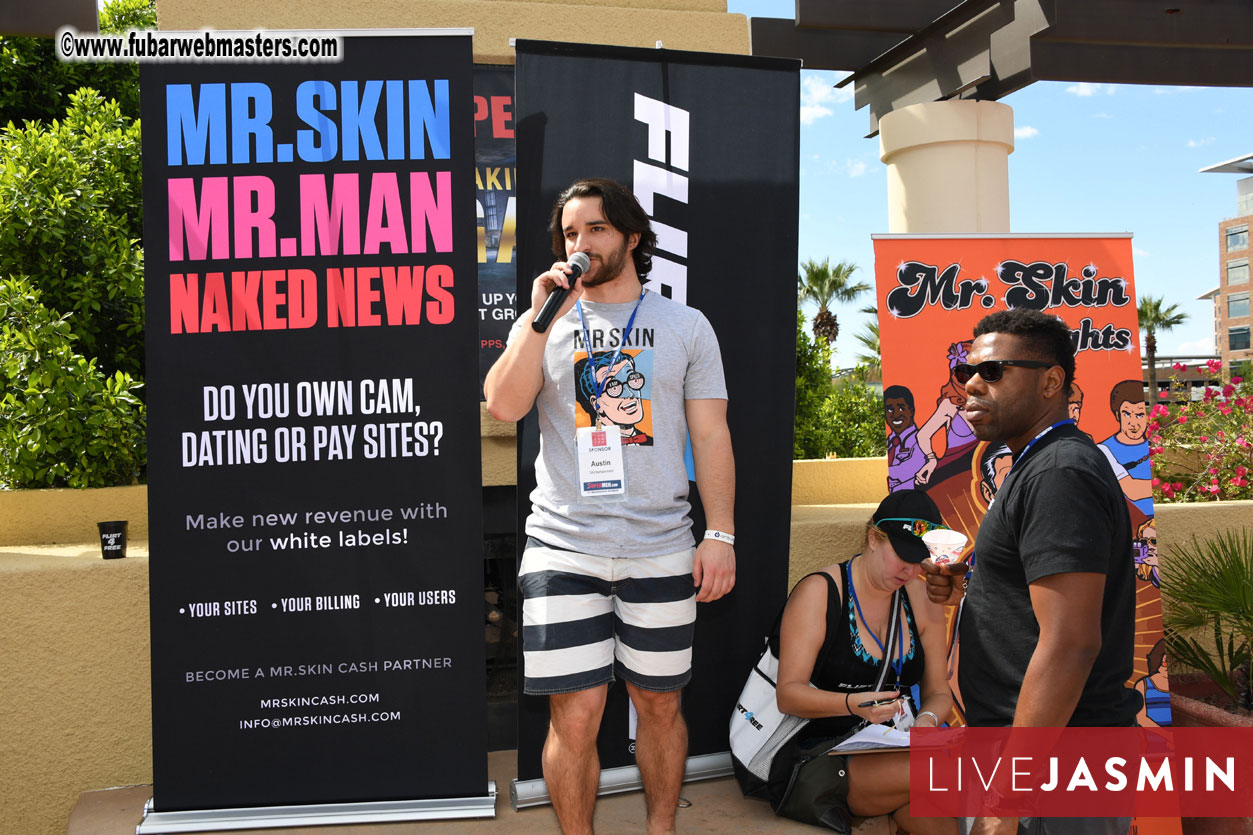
(1088,158)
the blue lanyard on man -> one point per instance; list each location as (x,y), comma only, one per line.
(599,386)
(1033,441)
(1023,455)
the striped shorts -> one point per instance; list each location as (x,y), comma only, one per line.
(587,619)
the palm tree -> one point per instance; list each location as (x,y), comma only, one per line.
(826,285)
(1153,317)
(870,359)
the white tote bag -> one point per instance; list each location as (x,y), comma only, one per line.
(758,728)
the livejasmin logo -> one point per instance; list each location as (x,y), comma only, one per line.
(1094,772)
(668,277)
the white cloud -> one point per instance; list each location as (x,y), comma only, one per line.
(855,167)
(817,93)
(1087,88)
(1200,143)
(817,90)
(1139,253)
(1101,116)
(1026,132)
(811,114)
(1199,346)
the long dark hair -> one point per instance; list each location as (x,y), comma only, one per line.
(622,211)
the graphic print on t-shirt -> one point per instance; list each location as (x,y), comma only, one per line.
(625,402)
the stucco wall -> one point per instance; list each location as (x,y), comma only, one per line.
(839,481)
(45,517)
(700,25)
(76,707)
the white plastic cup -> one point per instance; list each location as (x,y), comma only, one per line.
(945,546)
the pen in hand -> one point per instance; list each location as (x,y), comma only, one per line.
(878,702)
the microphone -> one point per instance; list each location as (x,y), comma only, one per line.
(579,264)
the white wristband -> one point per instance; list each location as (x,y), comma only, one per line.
(721,536)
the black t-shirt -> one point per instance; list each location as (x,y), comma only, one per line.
(1060,510)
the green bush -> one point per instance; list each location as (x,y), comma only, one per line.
(1207,589)
(71,220)
(813,436)
(844,418)
(34,85)
(63,423)
(854,413)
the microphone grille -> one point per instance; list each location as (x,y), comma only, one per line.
(580,260)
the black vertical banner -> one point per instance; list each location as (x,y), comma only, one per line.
(314,497)
(710,146)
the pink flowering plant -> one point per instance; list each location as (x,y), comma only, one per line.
(1203,449)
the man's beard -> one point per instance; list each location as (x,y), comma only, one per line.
(608,269)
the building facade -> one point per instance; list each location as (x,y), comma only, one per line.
(1232,321)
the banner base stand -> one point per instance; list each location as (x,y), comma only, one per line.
(524,793)
(325,814)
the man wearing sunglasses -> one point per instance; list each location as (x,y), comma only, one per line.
(1048,626)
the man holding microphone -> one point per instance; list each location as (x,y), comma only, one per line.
(621,379)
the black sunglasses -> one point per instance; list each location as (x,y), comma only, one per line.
(992,370)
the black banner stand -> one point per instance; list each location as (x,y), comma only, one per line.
(315,501)
(330,814)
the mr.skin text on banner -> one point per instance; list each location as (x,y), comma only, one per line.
(344,214)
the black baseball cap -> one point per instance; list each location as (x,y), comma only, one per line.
(905,516)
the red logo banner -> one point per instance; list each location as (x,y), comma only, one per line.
(1081,772)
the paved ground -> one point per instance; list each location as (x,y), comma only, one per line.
(717,807)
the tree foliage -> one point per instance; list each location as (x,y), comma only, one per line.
(869,357)
(71,265)
(813,436)
(34,85)
(1203,449)
(854,411)
(63,422)
(1154,317)
(1208,586)
(844,418)
(825,285)
(71,220)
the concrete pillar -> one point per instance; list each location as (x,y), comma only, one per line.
(948,166)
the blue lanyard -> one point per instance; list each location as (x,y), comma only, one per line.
(587,344)
(1032,442)
(899,663)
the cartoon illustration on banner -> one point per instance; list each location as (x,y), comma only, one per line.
(931,293)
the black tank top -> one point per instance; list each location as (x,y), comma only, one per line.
(843,663)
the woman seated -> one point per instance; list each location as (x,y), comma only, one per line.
(841,615)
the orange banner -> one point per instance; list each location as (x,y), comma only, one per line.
(931,292)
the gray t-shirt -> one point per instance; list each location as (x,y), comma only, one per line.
(670,356)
